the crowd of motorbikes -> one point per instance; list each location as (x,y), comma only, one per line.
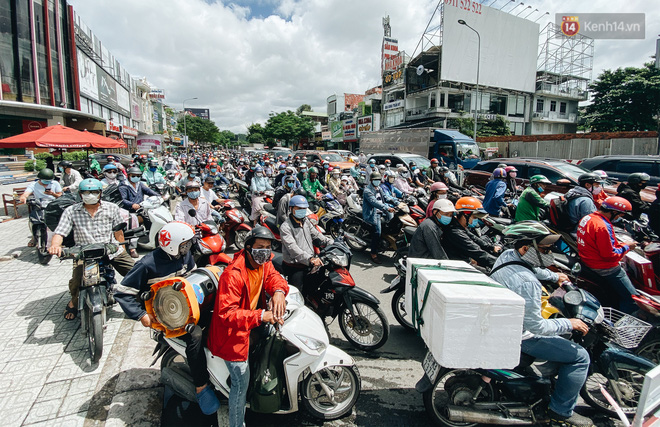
(325,377)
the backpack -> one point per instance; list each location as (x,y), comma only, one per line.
(558,214)
(280,192)
(53,213)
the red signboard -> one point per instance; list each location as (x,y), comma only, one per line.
(30,125)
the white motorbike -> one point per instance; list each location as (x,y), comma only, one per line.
(324,377)
(157,212)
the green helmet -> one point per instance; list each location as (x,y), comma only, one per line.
(539,179)
(45,173)
(90,184)
(526,230)
(313,170)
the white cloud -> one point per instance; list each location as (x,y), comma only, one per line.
(242,67)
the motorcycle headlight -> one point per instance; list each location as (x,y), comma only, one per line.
(91,273)
(311,343)
(340,260)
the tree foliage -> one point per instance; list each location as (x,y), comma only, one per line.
(304,107)
(465,125)
(288,126)
(225,138)
(198,129)
(626,99)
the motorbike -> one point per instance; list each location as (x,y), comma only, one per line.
(416,212)
(321,377)
(393,237)
(236,226)
(209,246)
(156,214)
(39,230)
(268,219)
(96,287)
(398,286)
(519,396)
(361,320)
(330,214)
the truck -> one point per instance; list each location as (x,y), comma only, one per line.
(450,147)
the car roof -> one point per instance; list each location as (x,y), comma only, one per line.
(625,157)
(525,160)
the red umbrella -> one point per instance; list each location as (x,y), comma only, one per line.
(100,141)
(59,136)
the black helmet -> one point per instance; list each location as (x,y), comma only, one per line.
(637,178)
(588,178)
(65,164)
(375,175)
(45,173)
(444,169)
(153,163)
(258,232)
(411,164)
(192,170)
(134,171)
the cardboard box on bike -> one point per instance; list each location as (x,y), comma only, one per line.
(467,319)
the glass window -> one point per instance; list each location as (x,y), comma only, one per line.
(551,174)
(54,55)
(42,59)
(497,105)
(631,167)
(553,105)
(456,102)
(562,107)
(432,100)
(25,51)
(7,65)
(539,105)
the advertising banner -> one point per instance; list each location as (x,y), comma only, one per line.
(157,94)
(390,49)
(392,105)
(203,113)
(97,85)
(336,131)
(150,142)
(349,130)
(135,109)
(364,124)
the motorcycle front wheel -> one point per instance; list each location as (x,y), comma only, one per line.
(41,240)
(94,334)
(368,329)
(454,387)
(358,230)
(399,309)
(629,384)
(345,384)
(650,349)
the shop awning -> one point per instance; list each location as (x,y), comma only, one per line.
(59,136)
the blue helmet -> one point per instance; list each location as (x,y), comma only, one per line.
(298,202)
(258,169)
(109,166)
(90,184)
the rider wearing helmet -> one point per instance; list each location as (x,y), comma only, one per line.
(521,269)
(390,192)
(111,175)
(151,174)
(438,191)
(603,179)
(299,236)
(401,181)
(194,202)
(45,189)
(94,165)
(495,191)
(133,190)
(580,199)
(448,178)
(434,171)
(511,184)
(425,243)
(373,206)
(258,185)
(171,258)
(460,243)
(91,221)
(312,185)
(240,306)
(630,191)
(531,202)
(601,252)
(71,178)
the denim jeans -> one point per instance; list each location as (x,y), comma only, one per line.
(573,368)
(239,374)
(620,283)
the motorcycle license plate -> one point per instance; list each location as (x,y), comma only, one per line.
(431,367)
(485,230)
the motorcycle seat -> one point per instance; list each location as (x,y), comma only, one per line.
(355,211)
(278,262)
(409,231)
(498,220)
(271,222)
(270,209)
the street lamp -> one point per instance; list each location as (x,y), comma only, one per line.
(185,129)
(462,22)
(547,13)
(528,7)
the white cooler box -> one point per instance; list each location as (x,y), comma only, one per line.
(469,320)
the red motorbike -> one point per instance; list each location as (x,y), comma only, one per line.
(236,226)
(209,246)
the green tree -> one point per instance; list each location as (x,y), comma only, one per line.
(626,99)
(304,107)
(198,129)
(256,133)
(465,125)
(288,127)
(225,138)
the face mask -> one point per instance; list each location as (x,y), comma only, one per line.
(413,168)
(61,169)
(46,181)
(596,190)
(540,189)
(214,170)
(375,182)
(537,259)
(193,194)
(153,169)
(442,196)
(444,220)
(290,184)
(90,199)
(260,256)
(300,213)
(259,174)
(303,170)
(111,174)
(326,166)
(135,179)
(513,174)
(423,172)
(372,165)
(474,223)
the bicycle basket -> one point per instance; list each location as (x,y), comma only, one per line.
(623,329)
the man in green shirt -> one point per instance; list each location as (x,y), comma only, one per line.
(531,201)
(94,164)
(311,184)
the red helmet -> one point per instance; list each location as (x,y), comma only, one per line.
(438,186)
(434,161)
(616,203)
(510,169)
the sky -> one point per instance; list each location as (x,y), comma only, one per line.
(244,59)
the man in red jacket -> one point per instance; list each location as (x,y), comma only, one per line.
(601,252)
(241,292)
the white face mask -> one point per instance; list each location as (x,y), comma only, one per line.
(442,196)
(596,190)
(90,199)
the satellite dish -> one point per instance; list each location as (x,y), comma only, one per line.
(420,70)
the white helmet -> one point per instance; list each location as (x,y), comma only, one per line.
(175,238)
(444,205)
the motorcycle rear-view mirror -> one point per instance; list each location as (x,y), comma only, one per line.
(192,213)
(119,227)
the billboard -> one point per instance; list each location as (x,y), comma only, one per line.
(203,113)
(349,130)
(336,131)
(97,85)
(509,47)
(149,142)
(389,50)
(365,124)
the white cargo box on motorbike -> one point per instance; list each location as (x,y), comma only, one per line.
(466,319)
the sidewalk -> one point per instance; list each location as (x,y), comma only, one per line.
(45,374)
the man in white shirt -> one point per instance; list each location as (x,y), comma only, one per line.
(195,202)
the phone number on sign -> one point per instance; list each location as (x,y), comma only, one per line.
(468,5)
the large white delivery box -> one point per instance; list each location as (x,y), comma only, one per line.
(466,319)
